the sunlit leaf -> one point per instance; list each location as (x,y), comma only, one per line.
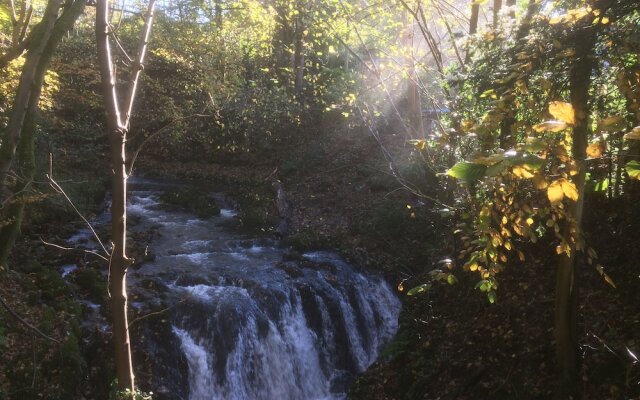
(633,169)
(451,279)
(5,15)
(540,182)
(595,150)
(602,185)
(496,169)
(634,134)
(571,16)
(613,123)
(555,192)
(522,172)
(562,111)
(492,296)
(528,160)
(569,189)
(489,160)
(467,171)
(535,145)
(419,289)
(551,126)
(606,277)
(489,93)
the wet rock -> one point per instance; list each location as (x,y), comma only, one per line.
(191,280)
(291,269)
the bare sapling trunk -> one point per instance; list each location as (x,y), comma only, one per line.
(118,127)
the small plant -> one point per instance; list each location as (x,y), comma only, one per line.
(127,394)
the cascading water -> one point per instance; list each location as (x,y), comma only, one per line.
(251,320)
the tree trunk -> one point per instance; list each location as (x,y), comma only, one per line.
(298,56)
(512,11)
(25,89)
(567,277)
(298,62)
(117,131)
(473,21)
(120,263)
(497,5)
(24,117)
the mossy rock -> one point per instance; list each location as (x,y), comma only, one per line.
(307,240)
(90,281)
(192,201)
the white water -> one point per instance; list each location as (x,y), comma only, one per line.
(247,325)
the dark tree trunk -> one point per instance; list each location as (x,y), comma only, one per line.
(24,93)
(567,282)
(21,134)
(497,5)
(473,21)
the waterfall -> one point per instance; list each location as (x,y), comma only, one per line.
(249,321)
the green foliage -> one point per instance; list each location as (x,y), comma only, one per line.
(468,171)
(127,394)
(633,169)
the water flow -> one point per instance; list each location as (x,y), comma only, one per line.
(253,321)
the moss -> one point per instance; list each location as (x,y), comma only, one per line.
(307,240)
(191,200)
(73,365)
(90,282)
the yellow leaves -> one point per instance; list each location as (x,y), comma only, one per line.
(595,150)
(555,193)
(564,115)
(572,16)
(634,134)
(613,123)
(551,126)
(560,189)
(562,111)
(569,189)
(529,221)
(540,182)
(522,172)
(563,248)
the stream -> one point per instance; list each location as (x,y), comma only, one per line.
(248,318)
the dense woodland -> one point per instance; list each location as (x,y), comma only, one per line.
(484,156)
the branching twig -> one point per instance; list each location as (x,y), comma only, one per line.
(156,312)
(59,189)
(57,246)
